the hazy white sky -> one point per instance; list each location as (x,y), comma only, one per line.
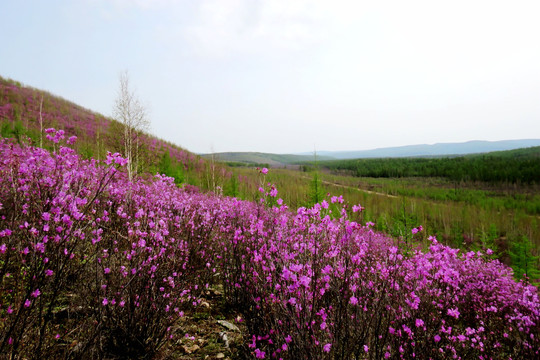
(290,75)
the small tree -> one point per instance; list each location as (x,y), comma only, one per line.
(524,262)
(231,188)
(129,111)
(316,191)
(41,123)
(488,240)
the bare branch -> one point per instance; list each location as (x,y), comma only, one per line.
(129,111)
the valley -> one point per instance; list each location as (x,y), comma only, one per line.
(315,259)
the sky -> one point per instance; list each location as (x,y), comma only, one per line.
(288,76)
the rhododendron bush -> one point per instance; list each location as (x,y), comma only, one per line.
(93,266)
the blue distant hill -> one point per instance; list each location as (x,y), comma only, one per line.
(441,149)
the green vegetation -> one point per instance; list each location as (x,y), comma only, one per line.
(522,167)
(261,159)
(316,193)
(524,263)
(477,202)
(171,167)
(245,164)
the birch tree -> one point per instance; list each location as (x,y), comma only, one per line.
(129,111)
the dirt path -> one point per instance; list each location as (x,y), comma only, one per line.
(354,188)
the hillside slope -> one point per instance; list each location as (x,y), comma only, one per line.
(25,112)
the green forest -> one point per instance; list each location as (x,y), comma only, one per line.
(515,166)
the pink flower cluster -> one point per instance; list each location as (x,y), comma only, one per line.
(127,259)
(116,158)
(54,135)
(416,230)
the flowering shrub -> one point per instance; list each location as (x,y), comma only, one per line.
(321,289)
(93,266)
(89,259)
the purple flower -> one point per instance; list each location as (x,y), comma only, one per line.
(453,312)
(72,140)
(292,301)
(260,354)
(5,232)
(288,339)
(327,347)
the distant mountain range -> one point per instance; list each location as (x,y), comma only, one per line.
(441,149)
(425,150)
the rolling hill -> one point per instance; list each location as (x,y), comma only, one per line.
(435,150)
(440,149)
(260,159)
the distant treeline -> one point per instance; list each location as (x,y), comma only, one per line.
(515,166)
(246,164)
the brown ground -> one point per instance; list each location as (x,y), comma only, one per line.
(207,338)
